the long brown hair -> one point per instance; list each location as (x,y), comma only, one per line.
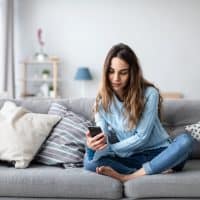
(133,98)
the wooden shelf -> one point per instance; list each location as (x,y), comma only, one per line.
(47,61)
(39,80)
(27,79)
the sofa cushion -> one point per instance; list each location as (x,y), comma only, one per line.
(179,113)
(194,129)
(22,133)
(66,144)
(50,181)
(181,184)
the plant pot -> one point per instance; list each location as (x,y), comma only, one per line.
(45,76)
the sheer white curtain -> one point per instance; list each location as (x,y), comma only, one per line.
(7,68)
(2,25)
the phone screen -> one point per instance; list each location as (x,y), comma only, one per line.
(94,130)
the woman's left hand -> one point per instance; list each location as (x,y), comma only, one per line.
(96,143)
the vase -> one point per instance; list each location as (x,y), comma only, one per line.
(44,89)
(40,56)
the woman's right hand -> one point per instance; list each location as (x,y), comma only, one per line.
(96,143)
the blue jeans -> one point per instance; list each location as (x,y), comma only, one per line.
(153,161)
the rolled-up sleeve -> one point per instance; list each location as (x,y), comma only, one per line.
(143,129)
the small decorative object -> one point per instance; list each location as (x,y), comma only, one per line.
(83,74)
(45,74)
(44,89)
(40,56)
(194,129)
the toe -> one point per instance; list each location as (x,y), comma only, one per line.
(97,170)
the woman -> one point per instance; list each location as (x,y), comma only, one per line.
(133,142)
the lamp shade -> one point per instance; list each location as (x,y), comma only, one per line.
(83,73)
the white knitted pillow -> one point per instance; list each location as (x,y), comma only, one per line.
(22,133)
(194,129)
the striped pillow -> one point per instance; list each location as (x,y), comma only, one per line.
(66,144)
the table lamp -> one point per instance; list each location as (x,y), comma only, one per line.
(83,74)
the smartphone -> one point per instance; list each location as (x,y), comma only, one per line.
(94,130)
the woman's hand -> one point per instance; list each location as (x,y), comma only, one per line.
(96,143)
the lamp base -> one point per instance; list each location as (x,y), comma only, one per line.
(83,89)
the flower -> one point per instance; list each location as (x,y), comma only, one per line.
(41,55)
(39,37)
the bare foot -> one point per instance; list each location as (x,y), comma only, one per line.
(108,171)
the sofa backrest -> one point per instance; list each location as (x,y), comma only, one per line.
(175,116)
(179,113)
(81,106)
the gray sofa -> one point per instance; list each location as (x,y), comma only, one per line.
(47,182)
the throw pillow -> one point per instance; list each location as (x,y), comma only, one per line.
(66,144)
(194,129)
(22,133)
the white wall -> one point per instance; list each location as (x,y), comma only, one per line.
(165,34)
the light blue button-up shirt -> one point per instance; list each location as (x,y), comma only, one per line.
(146,135)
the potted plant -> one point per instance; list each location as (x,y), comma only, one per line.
(45,73)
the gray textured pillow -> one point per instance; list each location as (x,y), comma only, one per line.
(194,129)
(66,144)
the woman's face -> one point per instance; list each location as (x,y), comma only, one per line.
(118,75)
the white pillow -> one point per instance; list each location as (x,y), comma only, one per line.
(22,133)
(194,129)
